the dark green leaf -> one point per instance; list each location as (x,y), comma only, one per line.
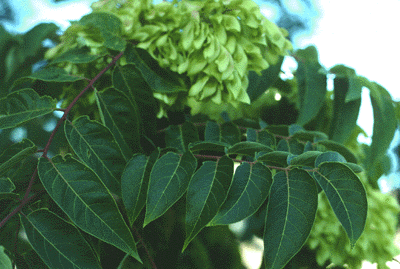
(179,136)
(309,135)
(334,146)
(22,106)
(169,180)
(249,189)
(291,146)
(354,167)
(230,133)
(251,135)
(305,159)
(158,83)
(6,190)
(248,148)
(77,190)
(260,84)
(208,146)
(121,116)
(58,243)
(329,156)
(14,154)
(385,122)
(266,138)
(212,132)
(109,26)
(275,158)
(346,196)
(345,114)
(295,128)
(206,192)
(95,146)
(293,202)
(311,84)
(282,130)
(354,92)
(129,80)
(77,56)
(54,74)
(135,181)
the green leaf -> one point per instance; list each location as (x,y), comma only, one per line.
(275,158)
(77,56)
(109,26)
(22,106)
(293,202)
(14,154)
(129,80)
(5,261)
(309,135)
(263,137)
(208,146)
(281,130)
(169,180)
(206,192)
(248,148)
(180,136)
(135,181)
(346,196)
(250,187)
(212,132)
(345,114)
(311,84)
(354,91)
(306,159)
(259,84)
(329,156)
(354,167)
(77,190)
(58,243)
(385,122)
(292,146)
(147,66)
(54,74)
(95,146)
(334,146)
(6,190)
(121,116)
(230,133)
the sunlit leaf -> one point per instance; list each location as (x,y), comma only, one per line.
(5,261)
(52,238)
(22,106)
(77,190)
(292,205)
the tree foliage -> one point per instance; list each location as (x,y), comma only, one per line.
(116,184)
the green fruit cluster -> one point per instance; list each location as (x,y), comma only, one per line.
(214,42)
(329,241)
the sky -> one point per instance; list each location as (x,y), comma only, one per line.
(360,34)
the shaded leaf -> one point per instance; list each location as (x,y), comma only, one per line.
(179,136)
(305,159)
(229,133)
(121,116)
(77,56)
(292,146)
(208,146)
(206,192)
(334,146)
(77,190)
(135,181)
(146,65)
(250,187)
(22,106)
(346,196)
(275,158)
(169,180)
(6,190)
(329,156)
(292,205)
(248,148)
(54,74)
(212,132)
(14,154)
(58,243)
(95,146)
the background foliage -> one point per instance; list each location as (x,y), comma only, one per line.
(129,189)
